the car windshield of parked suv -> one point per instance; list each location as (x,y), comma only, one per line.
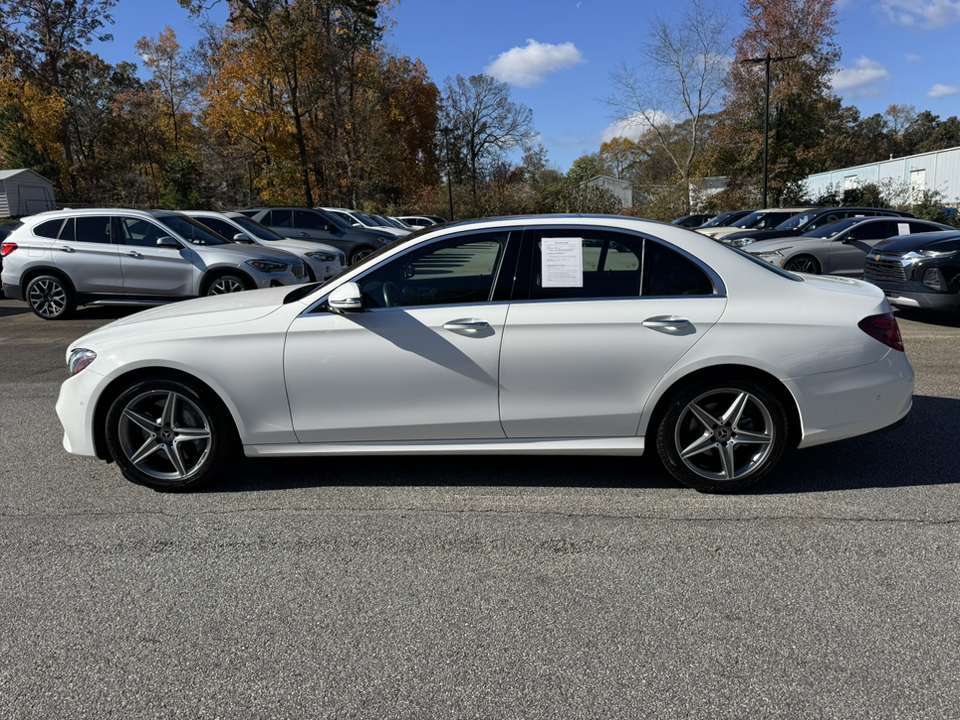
(259,231)
(798,220)
(828,231)
(749,220)
(719,221)
(334,219)
(192,231)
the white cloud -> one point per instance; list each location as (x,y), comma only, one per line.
(922,14)
(939,91)
(862,79)
(529,66)
(634,126)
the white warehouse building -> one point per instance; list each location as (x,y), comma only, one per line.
(936,171)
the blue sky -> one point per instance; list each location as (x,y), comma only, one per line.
(558,55)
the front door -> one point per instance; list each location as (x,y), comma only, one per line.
(420,363)
(152,271)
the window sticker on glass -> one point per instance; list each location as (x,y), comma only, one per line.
(562,262)
(903,228)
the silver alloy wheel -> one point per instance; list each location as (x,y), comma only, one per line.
(164,434)
(360,254)
(226,284)
(47,297)
(724,434)
(803,265)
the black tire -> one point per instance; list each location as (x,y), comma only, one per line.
(50,297)
(170,434)
(360,253)
(803,264)
(230,283)
(722,435)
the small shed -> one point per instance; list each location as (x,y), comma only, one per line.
(24,192)
(621,188)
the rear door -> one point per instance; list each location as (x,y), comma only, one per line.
(85,252)
(600,316)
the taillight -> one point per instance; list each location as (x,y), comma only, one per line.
(884,328)
(7,248)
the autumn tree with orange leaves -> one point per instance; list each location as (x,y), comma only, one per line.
(802,104)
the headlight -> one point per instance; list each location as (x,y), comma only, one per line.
(322,257)
(739,242)
(937,253)
(266,266)
(79,359)
(771,256)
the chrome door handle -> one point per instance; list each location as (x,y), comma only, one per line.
(303,234)
(66,249)
(133,253)
(669,324)
(468,327)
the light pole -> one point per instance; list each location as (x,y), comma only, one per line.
(766,111)
(446,130)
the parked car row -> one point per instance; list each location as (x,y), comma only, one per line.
(915,262)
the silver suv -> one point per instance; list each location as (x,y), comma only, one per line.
(64,258)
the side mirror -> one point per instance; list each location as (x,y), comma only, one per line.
(346,298)
(243,238)
(168,242)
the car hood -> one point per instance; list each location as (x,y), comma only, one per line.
(781,244)
(297,245)
(182,317)
(759,235)
(903,244)
(240,252)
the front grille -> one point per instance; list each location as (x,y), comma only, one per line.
(884,270)
(297,269)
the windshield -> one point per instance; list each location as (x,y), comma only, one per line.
(749,220)
(261,232)
(334,219)
(798,220)
(192,231)
(719,221)
(828,231)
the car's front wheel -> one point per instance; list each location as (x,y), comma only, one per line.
(802,264)
(169,434)
(50,297)
(226,284)
(722,435)
(359,254)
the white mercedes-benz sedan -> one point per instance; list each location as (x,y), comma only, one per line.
(577,335)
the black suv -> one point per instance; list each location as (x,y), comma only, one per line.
(313,224)
(806,221)
(918,271)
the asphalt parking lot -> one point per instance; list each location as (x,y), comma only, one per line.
(479,587)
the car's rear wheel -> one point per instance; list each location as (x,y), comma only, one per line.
(359,254)
(50,297)
(802,264)
(722,435)
(226,284)
(169,434)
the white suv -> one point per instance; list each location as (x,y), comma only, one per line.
(322,261)
(61,259)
